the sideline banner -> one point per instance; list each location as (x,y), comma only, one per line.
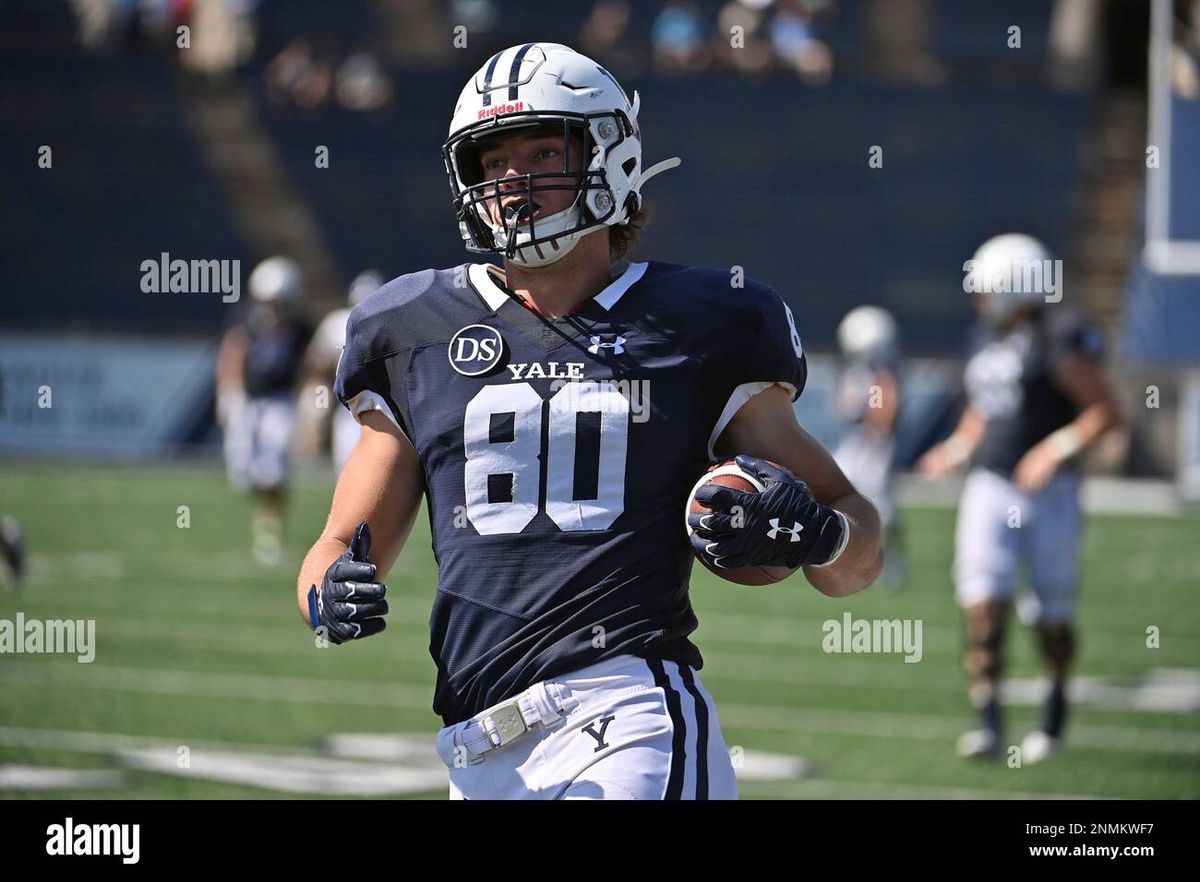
(107,394)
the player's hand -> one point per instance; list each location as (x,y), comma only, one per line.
(781,526)
(350,604)
(1036,468)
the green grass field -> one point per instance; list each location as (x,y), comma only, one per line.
(199,647)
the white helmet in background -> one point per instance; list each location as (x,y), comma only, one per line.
(999,267)
(277,280)
(364,285)
(538,84)
(868,333)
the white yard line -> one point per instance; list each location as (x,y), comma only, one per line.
(831,788)
(261,687)
(822,788)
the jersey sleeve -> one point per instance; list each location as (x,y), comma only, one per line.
(363,382)
(763,349)
(771,351)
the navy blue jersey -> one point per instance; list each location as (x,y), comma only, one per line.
(1011,381)
(274,355)
(558,454)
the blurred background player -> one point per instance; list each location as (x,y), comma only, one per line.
(1036,397)
(12,552)
(868,397)
(257,371)
(321,363)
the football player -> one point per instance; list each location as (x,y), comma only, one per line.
(258,367)
(1037,397)
(322,358)
(12,552)
(868,398)
(555,413)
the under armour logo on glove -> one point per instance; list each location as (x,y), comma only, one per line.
(793,533)
(817,535)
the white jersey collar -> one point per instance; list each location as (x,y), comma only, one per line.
(495,296)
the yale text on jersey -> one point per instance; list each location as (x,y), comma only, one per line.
(553,370)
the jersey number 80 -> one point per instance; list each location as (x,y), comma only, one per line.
(503,429)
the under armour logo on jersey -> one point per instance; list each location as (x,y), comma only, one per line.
(599,736)
(618,346)
(775,530)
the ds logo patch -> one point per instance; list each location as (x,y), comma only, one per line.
(475,350)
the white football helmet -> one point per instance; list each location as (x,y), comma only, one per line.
(998,267)
(535,84)
(277,280)
(364,285)
(868,332)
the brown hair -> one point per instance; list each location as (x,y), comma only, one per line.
(622,238)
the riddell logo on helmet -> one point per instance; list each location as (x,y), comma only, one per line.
(501,108)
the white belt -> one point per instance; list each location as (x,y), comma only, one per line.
(502,724)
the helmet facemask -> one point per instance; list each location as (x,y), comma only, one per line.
(522,238)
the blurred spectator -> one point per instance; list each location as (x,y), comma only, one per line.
(421,34)
(679,38)
(741,41)
(110,25)
(158,20)
(605,36)
(477,16)
(362,84)
(222,36)
(1074,41)
(295,78)
(96,21)
(898,37)
(1185,51)
(795,44)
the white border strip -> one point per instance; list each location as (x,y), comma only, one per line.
(1162,254)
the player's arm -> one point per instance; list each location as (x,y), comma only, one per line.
(955,451)
(1084,381)
(231,359)
(380,486)
(765,427)
(230,368)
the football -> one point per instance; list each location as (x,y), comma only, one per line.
(729,474)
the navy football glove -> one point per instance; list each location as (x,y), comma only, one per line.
(349,604)
(781,526)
